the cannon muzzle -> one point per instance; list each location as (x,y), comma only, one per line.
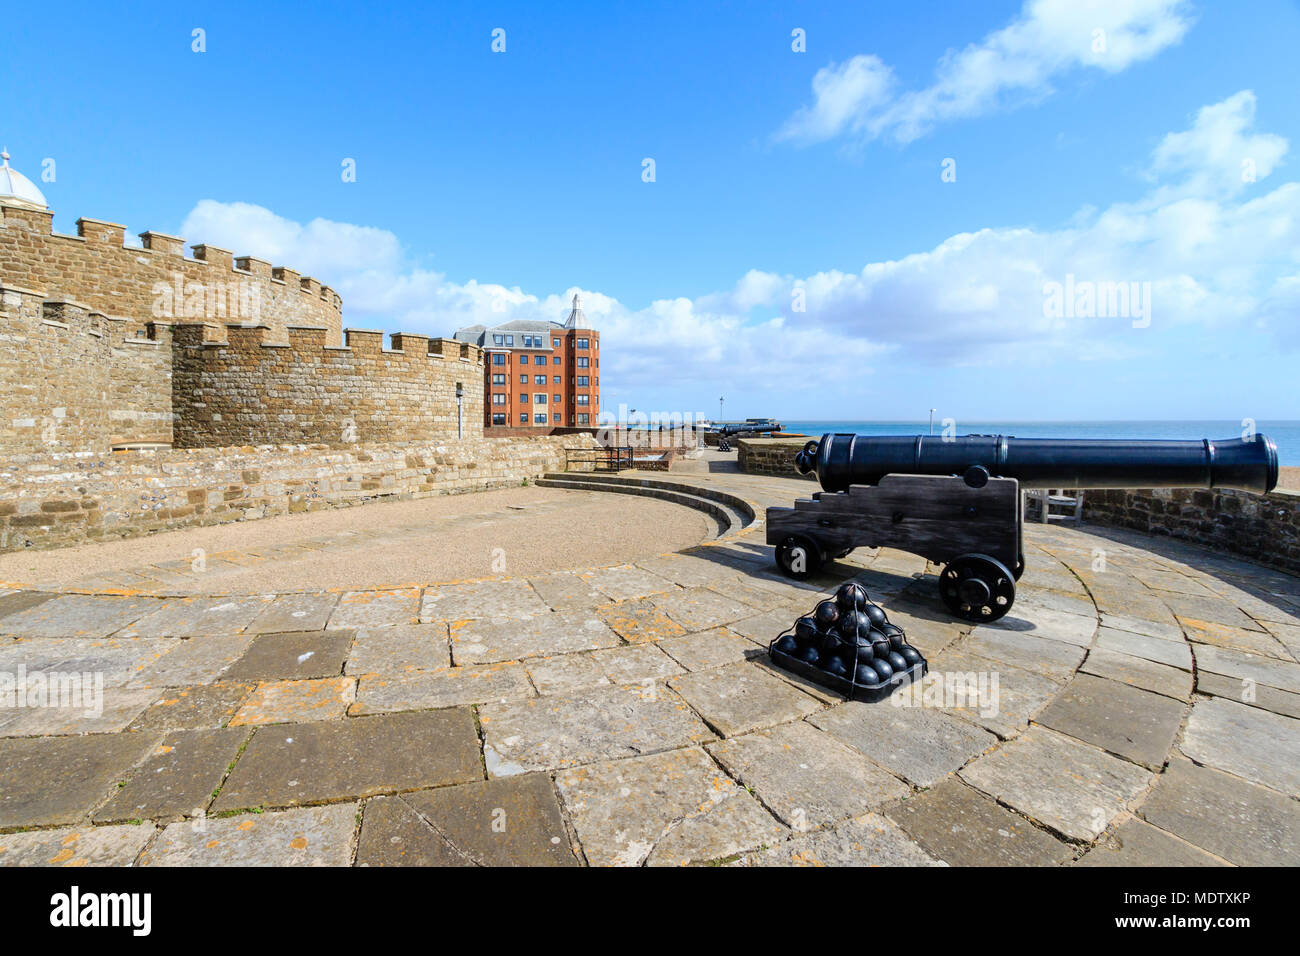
(1242,464)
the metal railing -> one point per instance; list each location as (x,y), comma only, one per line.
(615,458)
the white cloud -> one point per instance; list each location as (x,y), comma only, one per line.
(1016,63)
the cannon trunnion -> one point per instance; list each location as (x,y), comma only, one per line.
(958,502)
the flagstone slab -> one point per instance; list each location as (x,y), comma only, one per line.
(1165,627)
(714,648)
(1056,660)
(117,661)
(178,778)
(665,809)
(481,600)
(1262,670)
(697,609)
(513,821)
(870,840)
(1136,843)
(689,571)
(294,612)
(363,756)
(1252,743)
(638,621)
(998,697)
(1212,609)
(1288,634)
(764,628)
(566,591)
(52,780)
(1246,691)
(191,708)
(548,633)
(960,825)
(1047,624)
(75,846)
(547,733)
(919,744)
(639,663)
(1158,649)
(1072,787)
(805,777)
(449,687)
(925,631)
(198,660)
(86,711)
(15,602)
(78,615)
(739,698)
(1244,823)
(626,582)
(399,649)
(1139,672)
(311,836)
(290,655)
(199,616)
(287,701)
(1234,638)
(1134,724)
(361,609)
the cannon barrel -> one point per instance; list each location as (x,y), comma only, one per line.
(1243,464)
(742,428)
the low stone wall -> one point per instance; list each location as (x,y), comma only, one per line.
(52,500)
(770,456)
(1263,528)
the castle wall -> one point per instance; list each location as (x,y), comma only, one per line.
(232,385)
(159,282)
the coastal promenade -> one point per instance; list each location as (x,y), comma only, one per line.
(1139,705)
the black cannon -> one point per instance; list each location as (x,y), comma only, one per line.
(957,501)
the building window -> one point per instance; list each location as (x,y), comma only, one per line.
(523,418)
(539,379)
(582,380)
(498,418)
(539,419)
(539,398)
(498,399)
(582,419)
(498,378)
(555,360)
(558,398)
(523,379)
(523,360)
(557,380)
(584,400)
(497,340)
(583,361)
(523,398)
(555,343)
(510,340)
(555,417)
(582,343)
(498,358)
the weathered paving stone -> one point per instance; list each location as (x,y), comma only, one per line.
(688,571)
(1246,691)
(309,763)
(662,810)
(764,628)
(998,697)
(75,846)
(360,609)
(1288,634)
(1048,624)
(715,648)
(741,697)
(1211,609)
(294,612)
(640,663)
(698,608)
(546,733)
(625,582)
(482,600)
(1245,824)
(1136,843)
(804,776)
(964,827)
(1139,672)
(51,780)
(920,744)
(1165,627)
(566,591)
(292,655)
(510,822)
(1247,741)
(1261,670)
(1234,638)
(197,660)
(77,615)
(1162,651)
(191,708)
(450,687)
(15,602)
(924,632)
(487,641)
(195,616)
(86,711)
(178,778)
(116,661)
(1056,660)
(639,621)
(284,701)
(1032,599)
(399,649)
(311,836)
(1131,723)
(870,840)
(1069,786)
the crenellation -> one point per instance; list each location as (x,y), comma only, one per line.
(213,255)
(161,242)
(98,230)
(254,266)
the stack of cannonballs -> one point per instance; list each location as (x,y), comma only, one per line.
(850,638)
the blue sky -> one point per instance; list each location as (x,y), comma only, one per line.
(493,185)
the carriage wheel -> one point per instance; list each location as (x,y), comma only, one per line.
(798,556)
(977,588)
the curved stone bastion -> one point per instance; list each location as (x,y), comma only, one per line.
(1140,704)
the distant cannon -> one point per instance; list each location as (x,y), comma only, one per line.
(749,428)
(957,501)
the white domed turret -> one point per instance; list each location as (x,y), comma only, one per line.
(577,318)
(16,189)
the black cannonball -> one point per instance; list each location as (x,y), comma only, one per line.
(829,642)
(889,630)
(826,613)
(809,654)
(805,629)
(865,651)
(875,615)
(896,661)
(880,649)
(897,641)
(854,623)
(866,676)
(835,665)
(883,669)
(910,654)
(852,597)
(787,644)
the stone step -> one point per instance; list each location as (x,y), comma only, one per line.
(743,508)
(728,518)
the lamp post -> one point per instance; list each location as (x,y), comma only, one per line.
(720,400)
(460,412)
(932,411)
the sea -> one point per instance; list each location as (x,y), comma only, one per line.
(1285,433)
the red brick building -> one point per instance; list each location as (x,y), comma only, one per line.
(539,374)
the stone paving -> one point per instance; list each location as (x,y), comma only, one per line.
(1140,705)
